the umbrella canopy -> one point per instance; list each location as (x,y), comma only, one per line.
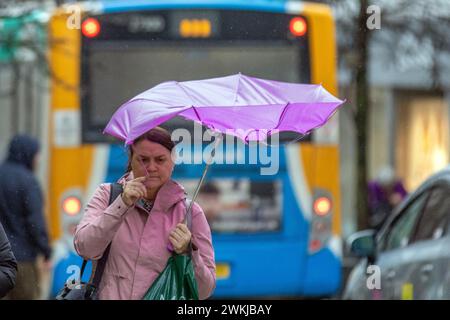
(247,107)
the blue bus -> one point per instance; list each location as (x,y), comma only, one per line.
(276,235)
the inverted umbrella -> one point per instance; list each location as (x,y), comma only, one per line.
(247,107)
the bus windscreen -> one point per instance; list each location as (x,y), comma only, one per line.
(119,75)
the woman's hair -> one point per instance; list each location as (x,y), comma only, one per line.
(157,135)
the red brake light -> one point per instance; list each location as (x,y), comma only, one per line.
(90,28)
(322,206)
(71,206)
(297,26)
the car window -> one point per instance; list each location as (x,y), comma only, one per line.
(403,227)
(433,222)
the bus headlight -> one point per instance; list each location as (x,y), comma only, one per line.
(320,230)
(71,205)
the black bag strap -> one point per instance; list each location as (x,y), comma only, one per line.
(99,267)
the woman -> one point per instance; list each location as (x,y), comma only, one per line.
(144,223)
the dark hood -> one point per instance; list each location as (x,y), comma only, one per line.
(22,149)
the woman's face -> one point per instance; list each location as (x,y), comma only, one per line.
(153,160)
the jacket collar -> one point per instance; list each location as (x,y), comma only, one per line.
(168,195)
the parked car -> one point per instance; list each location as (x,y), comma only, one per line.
(409,257)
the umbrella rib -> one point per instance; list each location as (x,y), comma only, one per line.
(196,113)
(237,88)
(185,92)
(192,101)
(282,115)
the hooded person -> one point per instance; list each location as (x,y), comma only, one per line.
(21,213)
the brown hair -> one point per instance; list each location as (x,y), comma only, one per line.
(157,135)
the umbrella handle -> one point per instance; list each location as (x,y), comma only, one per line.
(217,141)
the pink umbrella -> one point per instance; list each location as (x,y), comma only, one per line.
(247,107)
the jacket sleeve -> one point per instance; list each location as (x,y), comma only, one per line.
(8,265)
(203,254)
(34,217)
(99,224)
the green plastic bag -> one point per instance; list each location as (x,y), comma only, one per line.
(176,282)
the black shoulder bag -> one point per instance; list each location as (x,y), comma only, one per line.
(88,291)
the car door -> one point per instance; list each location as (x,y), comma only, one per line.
(427,255)
(391,244)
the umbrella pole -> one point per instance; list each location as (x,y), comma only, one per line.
(208,163)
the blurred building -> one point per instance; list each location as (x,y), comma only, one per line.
(24,72)
(409,119)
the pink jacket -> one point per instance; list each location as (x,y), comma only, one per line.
(139,249)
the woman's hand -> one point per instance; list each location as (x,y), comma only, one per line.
(180,237)
(133,190)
